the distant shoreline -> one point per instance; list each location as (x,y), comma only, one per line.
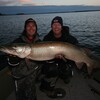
(1,14)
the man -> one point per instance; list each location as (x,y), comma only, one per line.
(58,67)
(24,71)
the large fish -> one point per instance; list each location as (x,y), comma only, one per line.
(49,50)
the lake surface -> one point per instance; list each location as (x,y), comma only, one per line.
(85,26)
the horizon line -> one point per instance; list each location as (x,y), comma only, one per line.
(44,5)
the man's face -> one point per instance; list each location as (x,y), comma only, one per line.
(56,27)
(31,29)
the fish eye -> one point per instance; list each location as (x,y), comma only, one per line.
(14,47)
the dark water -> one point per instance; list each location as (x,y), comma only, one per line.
(85,26)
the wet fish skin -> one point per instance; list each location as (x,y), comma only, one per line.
(49,50)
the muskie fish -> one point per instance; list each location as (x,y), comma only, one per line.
(49,50)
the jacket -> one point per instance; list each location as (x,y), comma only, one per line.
(21,68)
(66,36)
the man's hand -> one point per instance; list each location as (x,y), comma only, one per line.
(13,60)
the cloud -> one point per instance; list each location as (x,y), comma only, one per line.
(16,3)
(5,3)
(25,1)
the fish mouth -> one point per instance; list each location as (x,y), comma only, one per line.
(2,48)
(6,49)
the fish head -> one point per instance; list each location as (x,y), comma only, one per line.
(20,50)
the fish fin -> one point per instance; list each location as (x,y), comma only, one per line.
(79,65)
(90,70)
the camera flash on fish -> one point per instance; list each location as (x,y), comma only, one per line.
(19,50)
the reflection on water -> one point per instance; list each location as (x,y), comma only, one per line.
(85,26)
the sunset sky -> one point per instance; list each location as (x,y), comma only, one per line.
(48,2)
